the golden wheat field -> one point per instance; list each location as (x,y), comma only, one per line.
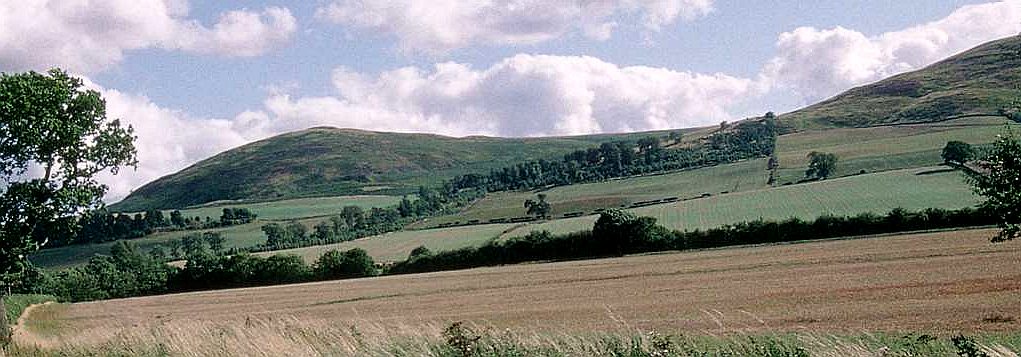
(940,283)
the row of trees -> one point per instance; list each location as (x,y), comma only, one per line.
(126,272)
(103,226)
(618,232)
(749,139)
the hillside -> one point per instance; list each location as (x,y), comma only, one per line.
(978,81)
(330,161)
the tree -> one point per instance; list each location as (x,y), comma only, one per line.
(353,263)
(821,165)
(215,241)
(353,216)
(676,136)
(957,152)
(999,181)
(620,232)
(54,139)
(540,208)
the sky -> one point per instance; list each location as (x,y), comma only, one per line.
(195,78)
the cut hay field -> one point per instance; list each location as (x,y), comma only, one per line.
(911,189)
(296,208)
(398,245)
(935,283)
(241,236)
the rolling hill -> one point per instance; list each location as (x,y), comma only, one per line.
(329,161)
(978,81)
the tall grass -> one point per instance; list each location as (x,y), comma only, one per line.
(15,304)
(294,337)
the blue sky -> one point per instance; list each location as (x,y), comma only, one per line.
(737,38)
(198,77)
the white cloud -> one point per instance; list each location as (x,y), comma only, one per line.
(88,36)
(524,95)
(168,140)
(820,63)
(440,25)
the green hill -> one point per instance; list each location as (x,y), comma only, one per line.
(978,81)
(330,161)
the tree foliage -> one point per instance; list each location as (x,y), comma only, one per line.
(354,263)
(957,152)
(54,138)
(539,207)
(999,181)
(821,165)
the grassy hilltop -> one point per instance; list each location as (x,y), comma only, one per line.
(978,81)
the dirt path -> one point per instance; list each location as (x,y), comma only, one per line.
(21,335)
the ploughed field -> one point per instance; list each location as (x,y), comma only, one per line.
(941,283)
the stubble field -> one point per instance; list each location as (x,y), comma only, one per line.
(939,283)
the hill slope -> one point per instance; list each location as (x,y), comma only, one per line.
(981,80)
(329,161)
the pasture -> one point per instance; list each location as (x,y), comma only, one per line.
(883,148)
(741,176)
(875,149)
(911,189)
(933,283)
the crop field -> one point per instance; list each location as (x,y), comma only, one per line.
(936,283)
(398,245)
(297,208)
(912,189)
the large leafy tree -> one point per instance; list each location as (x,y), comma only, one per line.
(54,139)
(821,165)
(957,152)
(999,181)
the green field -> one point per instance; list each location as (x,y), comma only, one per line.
(396,246)
(742,176)
(883,148)
(912,189)
(874,150)
(296,208)
(871,149)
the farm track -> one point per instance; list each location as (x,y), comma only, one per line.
(21,335)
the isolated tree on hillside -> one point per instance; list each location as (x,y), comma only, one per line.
(999,181)
(821,165)
(539,208)
(676,136)
(54,139)
(957,152)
